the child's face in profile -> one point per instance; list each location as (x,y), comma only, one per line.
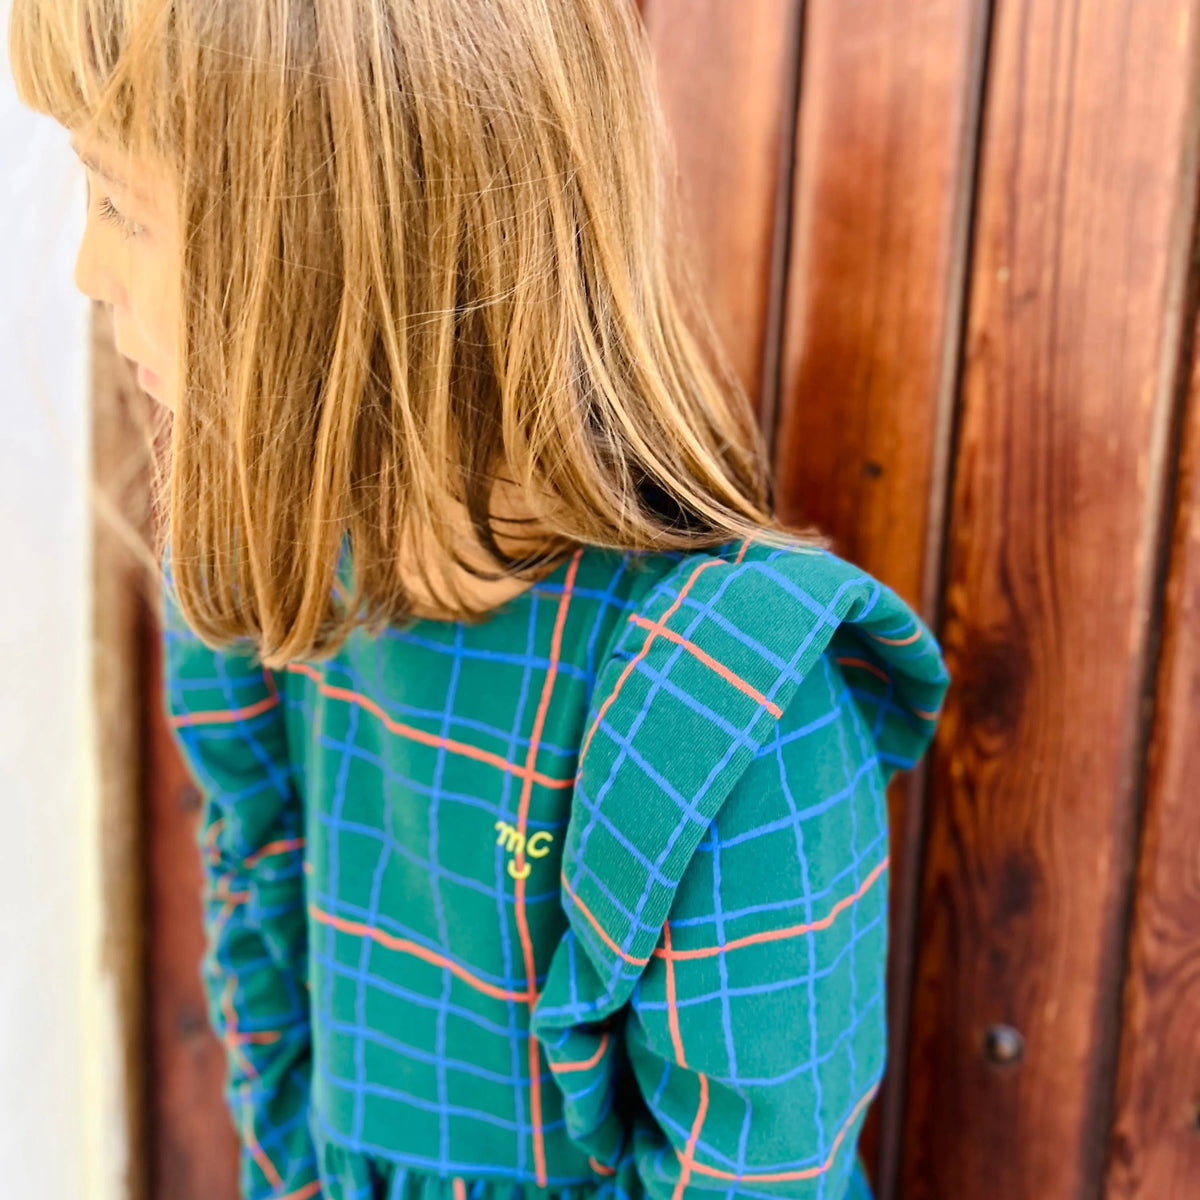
(129,259)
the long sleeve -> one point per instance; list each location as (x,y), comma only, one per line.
(757,1032)
(225,711)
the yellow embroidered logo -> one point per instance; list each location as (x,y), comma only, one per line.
(515,842)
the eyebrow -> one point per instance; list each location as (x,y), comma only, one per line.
(105,174)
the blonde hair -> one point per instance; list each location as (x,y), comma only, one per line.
(426,244)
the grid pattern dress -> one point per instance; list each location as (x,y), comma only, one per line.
(586,899)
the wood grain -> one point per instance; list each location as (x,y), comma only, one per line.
(1155,1145)
(725,73)
(884,167)
(1076,307)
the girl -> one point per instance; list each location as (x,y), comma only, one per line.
(544,829)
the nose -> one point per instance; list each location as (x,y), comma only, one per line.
(85,272)
(93,279)
(92,276)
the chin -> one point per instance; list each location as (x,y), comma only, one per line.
(159,398)
(157,393)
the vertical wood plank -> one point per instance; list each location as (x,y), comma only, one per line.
(885,154)
(882,179)
(725,73)
(1076,303)
(121,513)
(194,1145)
(1155,1146)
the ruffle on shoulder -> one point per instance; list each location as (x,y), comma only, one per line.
(692,688)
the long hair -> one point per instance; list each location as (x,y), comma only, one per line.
(429,247)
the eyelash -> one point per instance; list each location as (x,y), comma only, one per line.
(108,213)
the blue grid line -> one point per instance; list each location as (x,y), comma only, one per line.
(775,985)
(864,769)
(836,698)
(373,834)
(366,945)
(398,1096)
(634,726)
(718,1158)
(406,1050)
(518,1023)
(413,714)
(395,778)
(439,911)
(871,851)
(478,654)
(810,940)
(418,999)
(688,700)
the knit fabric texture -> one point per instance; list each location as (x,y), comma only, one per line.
(585,899)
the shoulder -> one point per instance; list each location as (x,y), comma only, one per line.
(726,636)
(695,689)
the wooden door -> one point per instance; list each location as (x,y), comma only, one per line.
(951,248)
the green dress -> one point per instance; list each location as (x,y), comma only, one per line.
(588,899)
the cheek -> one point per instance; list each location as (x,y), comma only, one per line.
(153,303)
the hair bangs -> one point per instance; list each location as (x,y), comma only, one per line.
(101,68)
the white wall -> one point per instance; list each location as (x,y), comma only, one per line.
(47,802)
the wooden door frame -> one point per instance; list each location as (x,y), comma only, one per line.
(115,1020)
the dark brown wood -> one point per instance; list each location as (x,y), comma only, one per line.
(884,167)
(194,1145)
(1076,304)
(725,73)
(1155,1145)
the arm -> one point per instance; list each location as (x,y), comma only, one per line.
(227,718)
(757,1030)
